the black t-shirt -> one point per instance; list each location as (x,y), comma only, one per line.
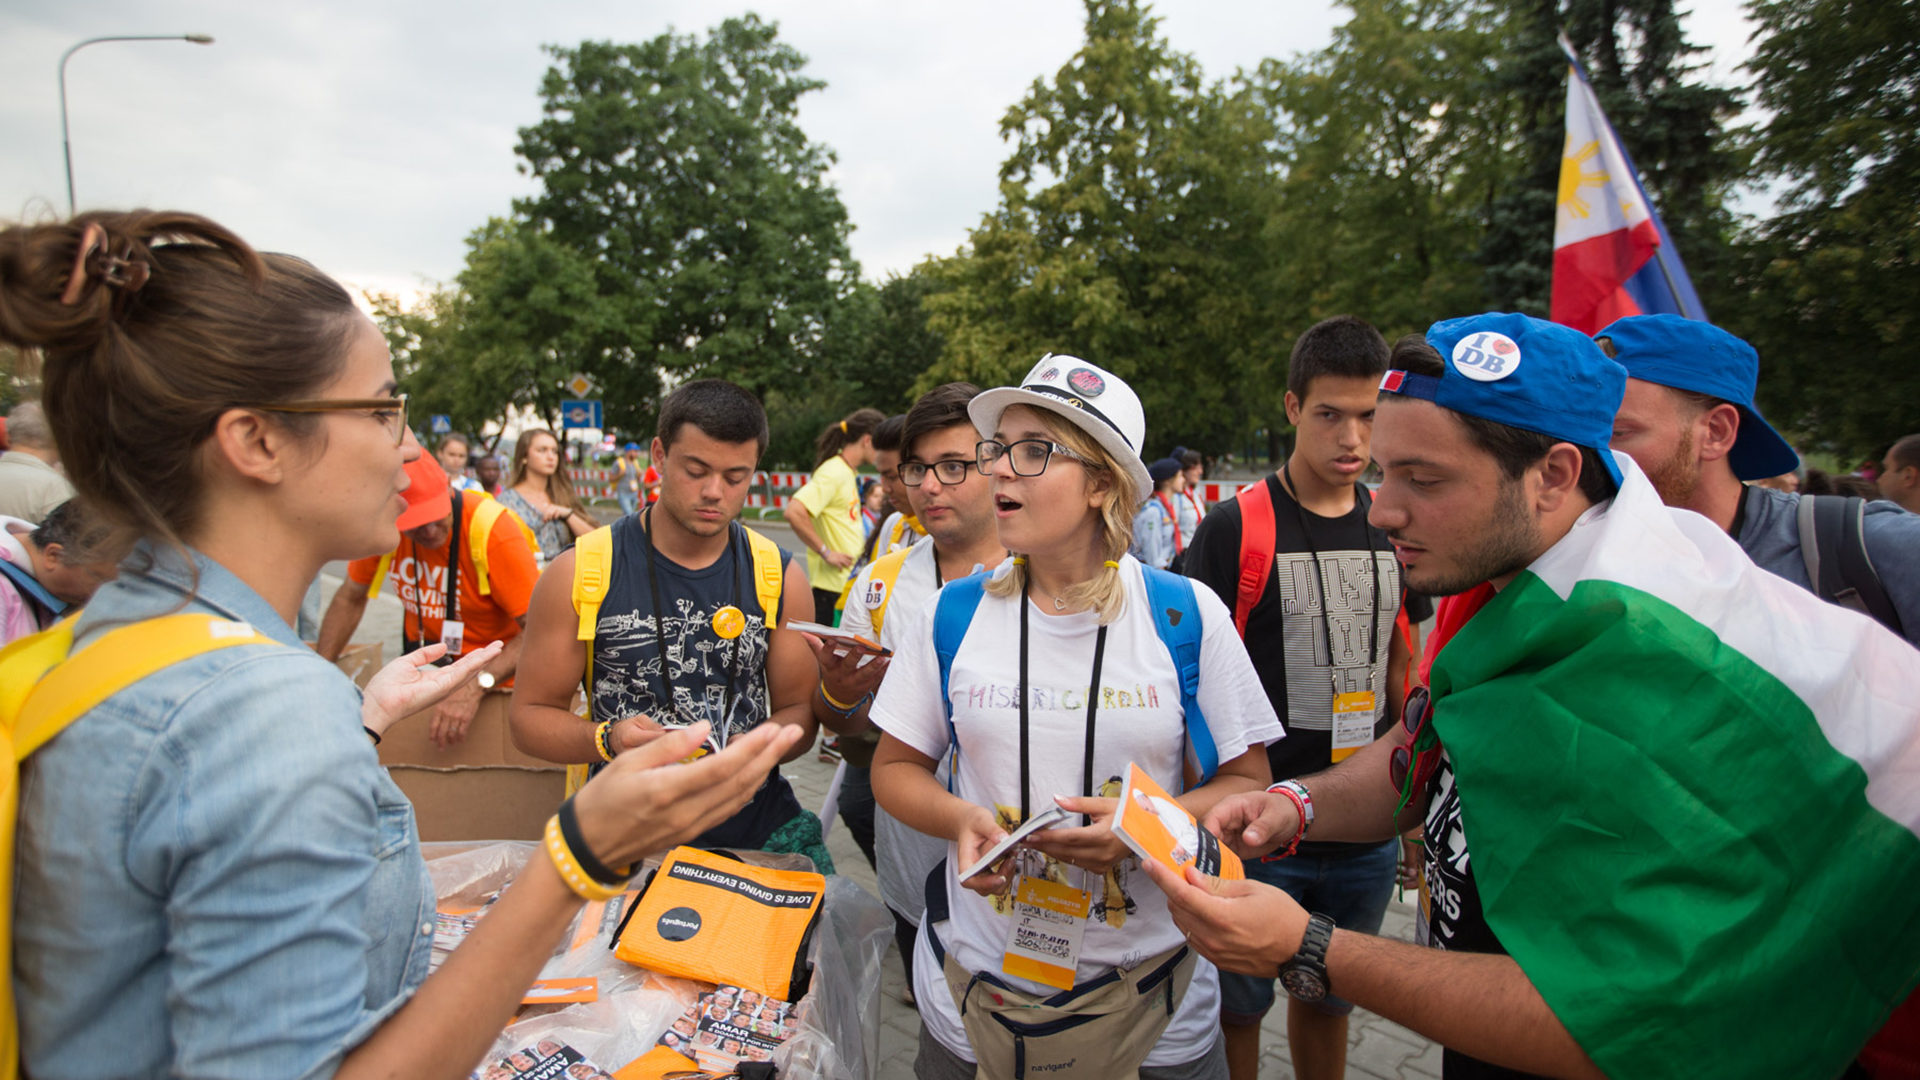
(1455,921)
(1288,637)
(705,674)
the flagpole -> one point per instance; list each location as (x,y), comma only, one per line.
(1664,250)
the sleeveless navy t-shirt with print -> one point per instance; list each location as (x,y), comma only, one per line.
(700,664)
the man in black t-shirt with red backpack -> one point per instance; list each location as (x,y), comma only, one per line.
(1316,596)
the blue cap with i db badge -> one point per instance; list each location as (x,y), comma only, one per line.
(1525,373)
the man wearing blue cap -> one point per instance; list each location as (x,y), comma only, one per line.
(1689,420)
(626,485)
(1665,793)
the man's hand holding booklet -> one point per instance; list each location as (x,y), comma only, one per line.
(1159,829)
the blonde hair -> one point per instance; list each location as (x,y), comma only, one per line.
(559,485)
(1104,593)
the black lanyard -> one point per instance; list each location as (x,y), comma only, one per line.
(1320,581)
(1093,701)
(452,605)
(734,657)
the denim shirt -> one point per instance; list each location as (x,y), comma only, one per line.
(214,876)
(1770,535)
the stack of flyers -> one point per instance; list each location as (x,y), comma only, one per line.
(728,1026)
(1158,828)
(548,1059)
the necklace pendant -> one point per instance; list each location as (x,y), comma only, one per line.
(1059,604)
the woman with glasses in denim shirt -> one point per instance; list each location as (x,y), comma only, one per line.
(214,876)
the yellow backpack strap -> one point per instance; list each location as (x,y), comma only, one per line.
(884,572)
(120,658)
(592,570)
(379,575)
(478,533)
(767,575)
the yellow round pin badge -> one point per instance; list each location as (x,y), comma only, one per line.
(728,622)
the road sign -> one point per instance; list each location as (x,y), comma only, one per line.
(580,414)
(440,424)
(579,386)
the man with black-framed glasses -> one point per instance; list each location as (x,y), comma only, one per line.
(954,503)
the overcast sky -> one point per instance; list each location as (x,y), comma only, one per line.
(372,137)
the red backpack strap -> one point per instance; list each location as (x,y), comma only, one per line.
(1256,551)
(1166,503)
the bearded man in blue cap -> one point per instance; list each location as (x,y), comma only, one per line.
(1667,799)
(1688,418)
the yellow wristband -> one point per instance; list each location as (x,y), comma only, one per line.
(600,736)
(831,700)
(583,886)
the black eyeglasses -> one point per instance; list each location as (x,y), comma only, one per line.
(1028,457)
(390,411)
(949,472)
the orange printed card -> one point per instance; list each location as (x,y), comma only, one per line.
(562,991)
(1158,828)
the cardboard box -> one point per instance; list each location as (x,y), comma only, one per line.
(482,788)
(360,662)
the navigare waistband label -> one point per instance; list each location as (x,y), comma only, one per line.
(752,890)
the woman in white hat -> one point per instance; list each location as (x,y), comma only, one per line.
(1059,674)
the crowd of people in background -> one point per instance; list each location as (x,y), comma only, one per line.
(1511,583)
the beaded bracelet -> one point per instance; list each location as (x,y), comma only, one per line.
(600,736)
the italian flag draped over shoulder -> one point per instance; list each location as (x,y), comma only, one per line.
(1691,791)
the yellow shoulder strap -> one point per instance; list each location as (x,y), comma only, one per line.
(41,693)
(379,575)
(592,570)
(767,573)
(885,570)
(116,661)
(485,514)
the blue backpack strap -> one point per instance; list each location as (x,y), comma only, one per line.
(952,615)
(30,587)
(1176,618)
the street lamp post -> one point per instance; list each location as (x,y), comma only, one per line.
(66,144)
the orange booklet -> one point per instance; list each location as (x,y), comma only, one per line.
(1158,828)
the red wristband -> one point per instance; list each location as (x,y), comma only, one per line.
(1300,805)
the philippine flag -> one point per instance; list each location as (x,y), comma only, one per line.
(1611,254)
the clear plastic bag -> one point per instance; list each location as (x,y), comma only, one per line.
(839,1031)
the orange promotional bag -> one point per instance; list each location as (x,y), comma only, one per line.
(712,918)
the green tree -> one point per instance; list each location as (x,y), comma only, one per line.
(1128,233)
(1389,157)
(1831,284)
(676,170)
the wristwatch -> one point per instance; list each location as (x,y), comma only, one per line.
(486,680)
(1305,976)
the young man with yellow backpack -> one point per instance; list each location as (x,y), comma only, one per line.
(464,572)
(671,617)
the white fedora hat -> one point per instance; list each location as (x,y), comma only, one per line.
(1092,398)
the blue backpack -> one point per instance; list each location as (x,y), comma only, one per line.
(1176,619)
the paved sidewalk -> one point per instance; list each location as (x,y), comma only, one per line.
(1379,1049)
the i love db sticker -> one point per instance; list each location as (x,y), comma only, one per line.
(1487,356)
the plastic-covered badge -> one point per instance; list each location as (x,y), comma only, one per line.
(729,623)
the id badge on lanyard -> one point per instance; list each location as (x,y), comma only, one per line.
(1353,716)
(1048,926)
(452,634)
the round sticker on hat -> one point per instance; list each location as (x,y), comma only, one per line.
(1486,356)
(1086,382)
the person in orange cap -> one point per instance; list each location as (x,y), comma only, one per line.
(489,598)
